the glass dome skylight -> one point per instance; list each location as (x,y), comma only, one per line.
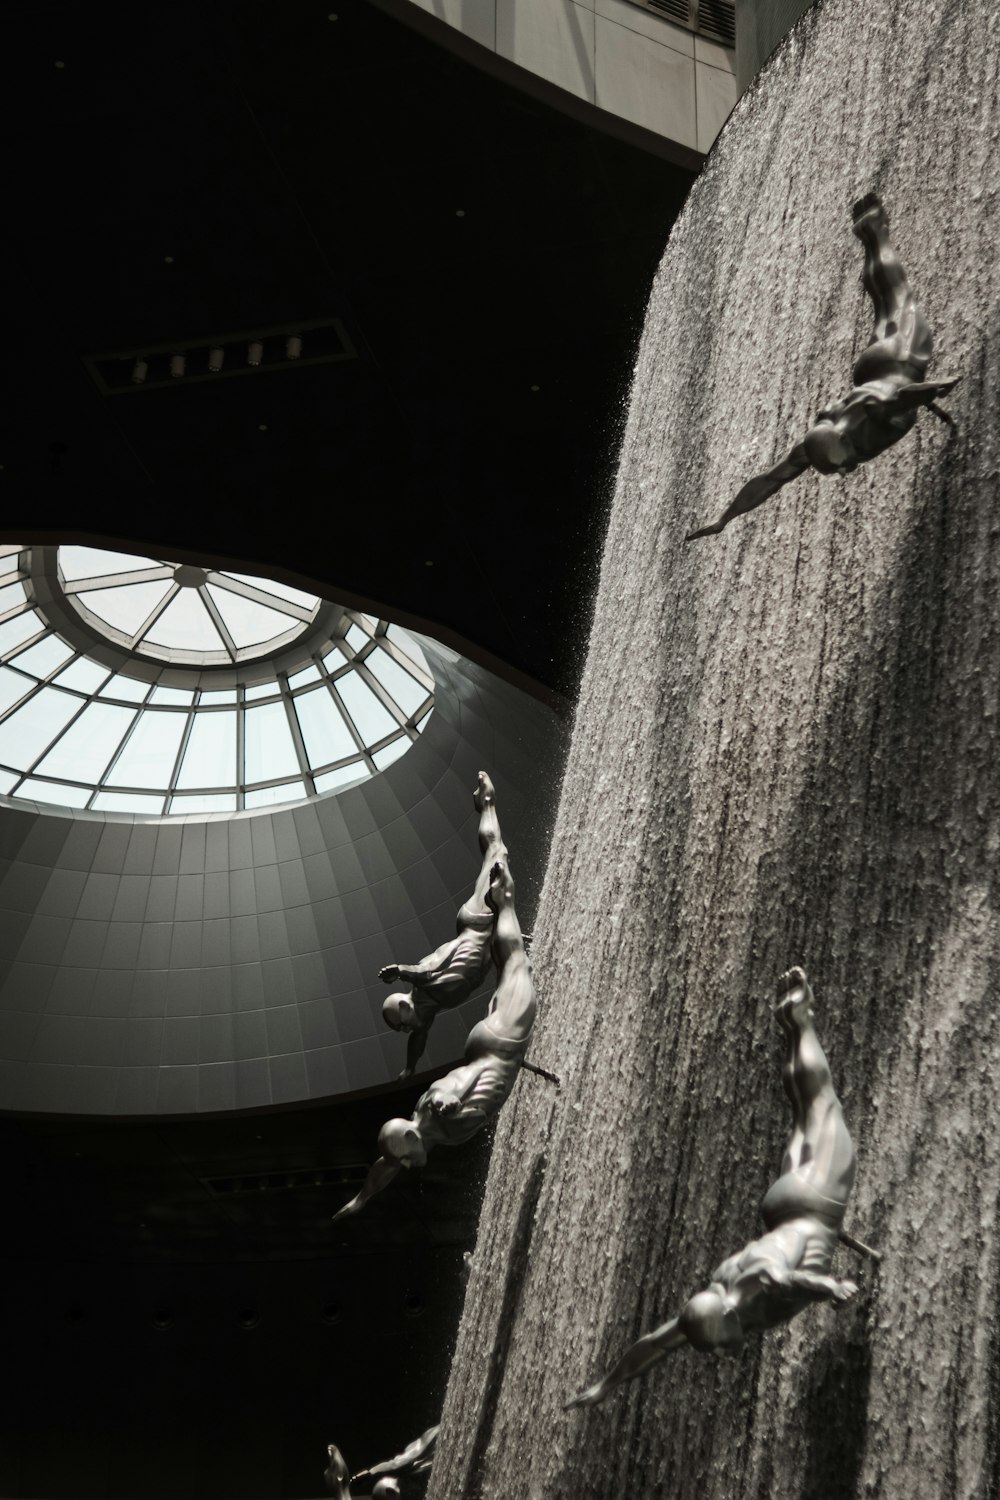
(314,699)
(179,612)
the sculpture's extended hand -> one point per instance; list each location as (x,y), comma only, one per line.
(813,1284)
(757,490)
(380,1174)
(645,1352)
(389,973)
(444,1102)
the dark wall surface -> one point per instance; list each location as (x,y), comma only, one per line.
(175,966)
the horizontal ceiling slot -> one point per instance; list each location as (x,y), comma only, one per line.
(279,1182)
(251,351)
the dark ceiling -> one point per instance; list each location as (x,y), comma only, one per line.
(475,242)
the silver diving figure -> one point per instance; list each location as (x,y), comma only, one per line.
(788,1268)
(452,972)
(889,384)
(416,1458)
(458,1105)
(338,1481)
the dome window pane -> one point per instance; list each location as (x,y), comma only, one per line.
(249,623)
(210,756)
(391,752)
(185,625)
(132,802)
(43,657)
(148,758)
(54,792)
(372,720)
(126,608)
(84,675)
(14,633)
(406,690)
(278,590)
(330,781)
(128,688)
(178,697)
(214,803)
(11,596)
(324,731)
(12,688)
(269,796)
(269,749)
(97,562)
(25,735)
(83,752)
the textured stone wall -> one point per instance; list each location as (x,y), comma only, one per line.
(785,751)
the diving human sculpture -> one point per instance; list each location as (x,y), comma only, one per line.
(416,1458)
(778,1275)
(452,972)
(337,1476)
(455,1107)
(889,385)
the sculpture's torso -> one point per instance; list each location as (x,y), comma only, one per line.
(463,968)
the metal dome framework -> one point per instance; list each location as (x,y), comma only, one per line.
(95,715)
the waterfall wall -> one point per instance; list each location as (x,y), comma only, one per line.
(785,751)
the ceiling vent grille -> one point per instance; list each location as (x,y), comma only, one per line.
(711,18)
(674,10)
(289,346)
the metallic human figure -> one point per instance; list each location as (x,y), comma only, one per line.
(778,1275)
(337,1474)
(455,1107)
(338,1480)
(889,385)
(416,1458)
(452,972)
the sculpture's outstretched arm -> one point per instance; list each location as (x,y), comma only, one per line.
(756,491)
(925,392)
(380,1174)
(822,1288)
(644,1353)
(408,1459)
(416,1041)
(418,973)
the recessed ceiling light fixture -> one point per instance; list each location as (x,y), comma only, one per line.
(248,352)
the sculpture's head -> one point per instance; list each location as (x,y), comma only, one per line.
(828,446)
(385,1488)
(399,1141)
(399,1013)
(710,1325)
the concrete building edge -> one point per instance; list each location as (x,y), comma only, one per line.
(581,110)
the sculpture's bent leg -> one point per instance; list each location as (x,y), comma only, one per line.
(820,1150)
(902,342)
